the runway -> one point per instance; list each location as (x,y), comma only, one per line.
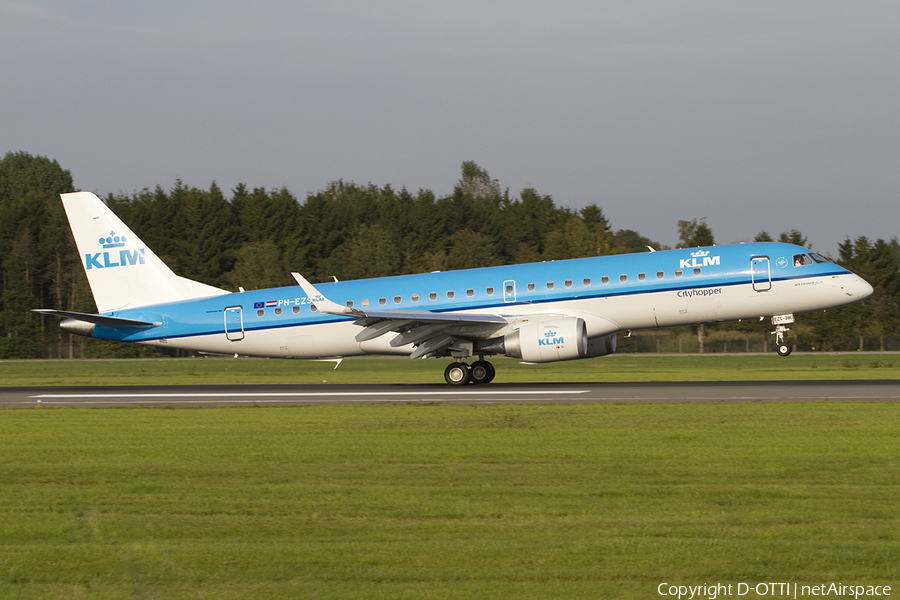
(543,393)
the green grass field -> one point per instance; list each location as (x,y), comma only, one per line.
(430,501)
(433,501)
(615,368)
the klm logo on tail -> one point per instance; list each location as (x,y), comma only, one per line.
(110,258)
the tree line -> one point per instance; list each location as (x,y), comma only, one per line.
(255,238)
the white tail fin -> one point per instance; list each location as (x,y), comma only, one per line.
(122,271)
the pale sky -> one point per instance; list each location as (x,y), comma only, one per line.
(756,115)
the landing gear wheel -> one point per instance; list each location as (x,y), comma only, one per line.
(784,349)
(482,372)
(457,373)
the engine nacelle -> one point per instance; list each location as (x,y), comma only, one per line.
(543,341)
(602,345)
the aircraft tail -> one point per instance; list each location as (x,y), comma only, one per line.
(121,270)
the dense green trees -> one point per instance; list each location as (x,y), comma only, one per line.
(347,230)
(695,233)
(879,264)
(38,262)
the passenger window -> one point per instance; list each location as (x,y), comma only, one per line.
(696,270)
(278,311)
(260,312)
(415,297)
(432,296)
(641,276)
(312,308)
(678,273)
(549,285)
(587,281)
(349,303)
(296,309)
(396,299)
(470,292)
(490,291)
(509,289)
(604,280)
(450,294)
(530,287)
(382,301)
(660,274)
(623,278)
(568,283)
(365,302)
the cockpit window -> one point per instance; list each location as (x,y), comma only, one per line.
(819,258)
(801,260)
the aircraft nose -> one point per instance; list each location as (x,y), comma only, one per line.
(858,288)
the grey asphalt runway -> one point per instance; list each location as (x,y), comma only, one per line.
(543,393)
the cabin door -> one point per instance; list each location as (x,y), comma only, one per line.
(234,323)
(760,273)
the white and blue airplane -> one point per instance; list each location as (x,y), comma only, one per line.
(539,312)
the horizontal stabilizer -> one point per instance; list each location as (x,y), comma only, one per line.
(116,322)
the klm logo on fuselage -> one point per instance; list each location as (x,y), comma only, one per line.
(699,259)
(110,257)
(552,338)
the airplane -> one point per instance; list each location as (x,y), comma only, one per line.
(538,312)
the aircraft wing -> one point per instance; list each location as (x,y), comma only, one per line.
(430,331)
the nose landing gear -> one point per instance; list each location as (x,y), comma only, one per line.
(779,321)
(784,349)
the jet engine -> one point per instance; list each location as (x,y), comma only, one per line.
(543,341)
(602,345)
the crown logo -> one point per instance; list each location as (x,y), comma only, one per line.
(699,253)
(113,241)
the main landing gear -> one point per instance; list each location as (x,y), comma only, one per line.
(460,373)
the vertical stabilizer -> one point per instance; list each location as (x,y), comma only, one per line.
(122,271)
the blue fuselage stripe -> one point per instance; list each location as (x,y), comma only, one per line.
(727,266)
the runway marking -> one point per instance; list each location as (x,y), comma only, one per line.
(314,394)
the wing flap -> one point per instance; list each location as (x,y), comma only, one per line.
(370,332)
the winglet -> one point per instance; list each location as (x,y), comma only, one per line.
(322,303)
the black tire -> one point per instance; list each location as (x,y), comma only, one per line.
(784,349)
(482,372)
(457,373)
